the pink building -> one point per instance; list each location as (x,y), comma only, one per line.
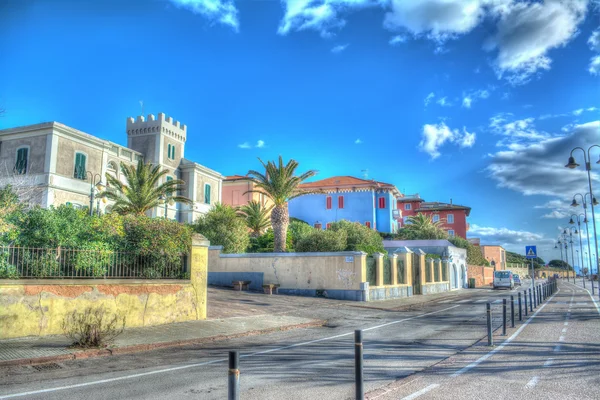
(234,191)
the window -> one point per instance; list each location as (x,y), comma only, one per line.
(408,206)
(382,202)
(328,225)
(368,224)
(111,166)
(318,226)
(22,158)
(406,221)
(169,192)
(206,193)
(450,218)
(451,232)
(171,152)
(328,202)
(340,201)
(436,217)
(80,172)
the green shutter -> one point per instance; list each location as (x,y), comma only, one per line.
(169,192)
(169,151)
(207,194)
(80,166)
(22,158)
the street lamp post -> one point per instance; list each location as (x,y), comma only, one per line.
(559,245)
(593,202)
(93,186)
(570,232)
(588,167)
(580,245)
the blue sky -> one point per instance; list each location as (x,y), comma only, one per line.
(475,100)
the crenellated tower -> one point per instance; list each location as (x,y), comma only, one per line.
(161,140)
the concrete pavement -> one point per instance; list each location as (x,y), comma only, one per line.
(296,364)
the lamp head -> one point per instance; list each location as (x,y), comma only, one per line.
(572,164)
(574,203)
(594,201)
(571,221)
(576,231)
(585,220)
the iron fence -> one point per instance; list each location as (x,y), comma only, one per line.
(28,262)
(371,271)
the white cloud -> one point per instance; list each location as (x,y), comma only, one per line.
(438,20)
(467,102)
(594,41)
(319,15)
(428,99)
(223,11)
(433,137)
(594,67)
(470,97)
(245,145)
(537,166)
(260,144)
(358,141)
(339,49)
(526,32)
(511,240)
(444,102)
(398,39)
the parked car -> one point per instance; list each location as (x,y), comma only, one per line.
(504,279)
(517,280)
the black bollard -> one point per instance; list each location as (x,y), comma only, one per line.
(488,309)
(512,311)
(234,376)
(503,317)
(520,310)
(358,365)
(525,297)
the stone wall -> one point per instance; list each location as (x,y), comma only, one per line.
(484,276)
(38,307)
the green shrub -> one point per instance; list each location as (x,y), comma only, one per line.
(359,237)
(41,263)
(474,254)
(265,243)
(323,241)
(94,259)
(223,227)
(7,270)
(297,230)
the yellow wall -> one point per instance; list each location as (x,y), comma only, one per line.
(297,270)
(38,307)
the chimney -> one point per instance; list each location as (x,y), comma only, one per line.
(450,201)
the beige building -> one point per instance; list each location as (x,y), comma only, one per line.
(495,254)
(55,164)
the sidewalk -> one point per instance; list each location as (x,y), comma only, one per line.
(32,350)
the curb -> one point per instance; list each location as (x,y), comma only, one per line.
(94,353)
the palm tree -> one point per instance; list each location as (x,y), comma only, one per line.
(280,185)
(142,191)
(256,217)
(423,227)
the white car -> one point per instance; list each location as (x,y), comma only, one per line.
(504,279)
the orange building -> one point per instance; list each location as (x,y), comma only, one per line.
(234,192)
(496,255)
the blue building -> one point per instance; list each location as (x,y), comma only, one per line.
(368,202)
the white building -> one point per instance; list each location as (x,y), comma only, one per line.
(55,164)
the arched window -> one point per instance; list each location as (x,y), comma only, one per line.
(111,166)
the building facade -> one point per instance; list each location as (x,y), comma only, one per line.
(61,163)
(237,192)
(368,202)
(496,255)
(453,217)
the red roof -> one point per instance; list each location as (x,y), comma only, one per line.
(437,206)
(235,177)
(348,181)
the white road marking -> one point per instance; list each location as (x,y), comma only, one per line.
(564,330)
(549,362)
(497,301)
(421,392)
(445,301)
(561,339)
(566,323)
(482,301)
(557,348)
(531,384)
(181,367)
(500,347)
(464,301)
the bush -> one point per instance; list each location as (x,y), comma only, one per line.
(321,241)
(223,227)
(474,254)
(7,270)
(93,327)
(265,243)
(359,237)
(297,230)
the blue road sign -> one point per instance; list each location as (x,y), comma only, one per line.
(530,252)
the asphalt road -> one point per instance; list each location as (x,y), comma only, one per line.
(400,347)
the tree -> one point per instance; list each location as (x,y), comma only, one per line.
(9,207)
(280,185)
(359,237)
(560,264)
(223,227)
(142,192)
(422,227)
(256,217)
